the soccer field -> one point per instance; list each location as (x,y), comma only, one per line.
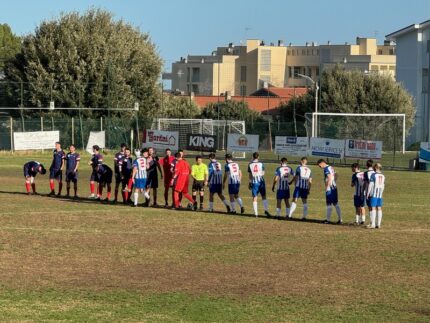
(85,261)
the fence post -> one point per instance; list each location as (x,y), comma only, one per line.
(11,134)
(41,123)
(73,131)
(101,123)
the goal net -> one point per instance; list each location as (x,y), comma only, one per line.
(388,128)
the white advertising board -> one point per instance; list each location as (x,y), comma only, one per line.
(363,149)
(242,143)
(161,140)
(96,138)
(35,140)
(292,146)
(324,147)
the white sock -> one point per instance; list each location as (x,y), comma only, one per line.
(339,214)
(292,209)
(372,218)
(211,206)
(278,211)
(357,218)
(379,213)
(266,205)
(255,206)
(225,202)
(146,194)
(233,206)
(363,218)
(329,209)
(305,210)
(287,212)
(239,201)
(136,197)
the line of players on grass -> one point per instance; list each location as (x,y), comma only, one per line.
(140,176)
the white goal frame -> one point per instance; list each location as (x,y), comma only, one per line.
(402,115)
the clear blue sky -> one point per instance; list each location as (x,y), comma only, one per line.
(186,27)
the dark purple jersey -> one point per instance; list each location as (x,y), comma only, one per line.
(31,168)
(117,159)
(153,162)
(72,160)
(57,159)
(126,166)
(96,160)
(103,170)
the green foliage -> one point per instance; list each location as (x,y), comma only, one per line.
(88,60)
(10,45)
(297,106)
(177,107)
(230,110)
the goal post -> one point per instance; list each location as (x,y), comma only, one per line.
(366,126)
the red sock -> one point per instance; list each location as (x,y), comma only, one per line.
(33,186)
(176,198)
(188,197)
(108,194)
(27,187)
(60,187)
(125,198)
(51,185)
(92,187)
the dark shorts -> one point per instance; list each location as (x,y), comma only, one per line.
(215,188)
(152,181)
(331,197)
(125,180)
(359,201)
(282,194)
(258,188)
(233,189)
(106,178)
(300,193)
(198,186)
(94,176)
(72,177)
(56,174)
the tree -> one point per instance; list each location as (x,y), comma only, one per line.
(88,60)
(177,107)
(10,45)
(230,110)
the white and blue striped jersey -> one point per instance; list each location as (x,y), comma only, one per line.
(329,178)
(256,169)
(283,173)
(215,173)
(141,165)
(358,183)
(303,177)
(233,172)
(376,185)
(367,175)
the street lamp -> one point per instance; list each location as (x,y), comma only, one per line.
(314,119)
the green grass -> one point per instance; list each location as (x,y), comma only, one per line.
(82,261)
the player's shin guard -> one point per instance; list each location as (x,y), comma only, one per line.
(379,217)
(240,202)
(305,210)
(287,212)
(255,206)
(201,200)
(211,206)
(372,218)
(100,191)
(278,211)
(233,206)
(27,186)
(225,202)
(109,193)
(136,198)
(292,209)
(33,187)
(92,187)
(176,199)
(339,213)
(51,185)
(266,205)
(60,187)
(329,210)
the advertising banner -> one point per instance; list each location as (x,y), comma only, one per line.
(197,142)
(96,138)
(242,143)
(363,149)
(35,140)
(424,153)
(160,139)
(324,147)
(292,146)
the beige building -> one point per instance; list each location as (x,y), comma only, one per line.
(242,70)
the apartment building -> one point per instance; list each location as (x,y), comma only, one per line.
(243,69)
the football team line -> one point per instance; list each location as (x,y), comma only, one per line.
(139,176)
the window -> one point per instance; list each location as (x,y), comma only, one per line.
(303,52)
(308,52)
(296,71)
(288,52)
(317,71)
(379,51)
(309,73)
(243,73)
(391,51)
(264,80)
(243,90)
(188,74)
(265,60)
(292,52)
(290,72)
(196,74)
(318,51)
(425,81)
(195,89)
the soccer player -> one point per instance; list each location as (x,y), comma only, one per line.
(105,179)
(152,175)
(331,195)
(282,176)
(125,168)
(180,181)
(181,153)
(303,182)
(215,183)
(234,175)
(374,194)
(257,185)
(96,160)
(56,169)
(30,171)
(199,173)
(166,163)
(367,175)
(72,164)
(357,182)
(116,160)
(140,166)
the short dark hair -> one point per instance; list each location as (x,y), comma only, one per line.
(58,143)
(198,157)
(321,161)
(144,150)
(167,149)
(228,156)
(180,151)
(178,154)
(43,170)
(284,160)
(123,145)
(212,156)
(255,155)
(127,148)
(96,147)
(355,165)
(369,163)
(304,158)
(72,145)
